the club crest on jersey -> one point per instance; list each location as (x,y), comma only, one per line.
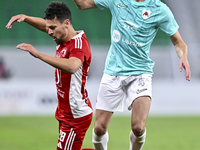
(63,52)
(146,14)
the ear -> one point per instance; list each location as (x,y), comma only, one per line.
(67,23)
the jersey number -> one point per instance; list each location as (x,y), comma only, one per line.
(58,75)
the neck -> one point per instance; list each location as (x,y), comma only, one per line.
(71,33)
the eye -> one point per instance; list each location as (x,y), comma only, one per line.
(52,27)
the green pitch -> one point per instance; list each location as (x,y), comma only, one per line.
(41,133)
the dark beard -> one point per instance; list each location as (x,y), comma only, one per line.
(60,40)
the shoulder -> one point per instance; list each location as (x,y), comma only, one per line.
(79,40)
(79,44)
(158,4)
(164,8)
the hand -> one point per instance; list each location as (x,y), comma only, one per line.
(29,48)
(18,18)
(183,63)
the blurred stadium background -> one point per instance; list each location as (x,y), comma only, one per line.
(27,84)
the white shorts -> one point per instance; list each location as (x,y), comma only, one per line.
(114,90)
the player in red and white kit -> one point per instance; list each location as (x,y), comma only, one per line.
(73,56)
(74,106)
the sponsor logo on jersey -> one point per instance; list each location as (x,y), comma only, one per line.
(146,14)
(116,36)
(132,43)
(119,6)
(61,93)
(128,25)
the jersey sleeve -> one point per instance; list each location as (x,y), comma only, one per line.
(81,51)
(167,22)
(101,4)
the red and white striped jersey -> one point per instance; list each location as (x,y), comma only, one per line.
(73,101)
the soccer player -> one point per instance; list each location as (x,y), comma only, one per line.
(128,68)
(73,56)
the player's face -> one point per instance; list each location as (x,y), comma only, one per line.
(57,30)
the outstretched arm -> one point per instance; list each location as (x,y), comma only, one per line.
(85,4)
(181,50)
(70,65)
(36,22)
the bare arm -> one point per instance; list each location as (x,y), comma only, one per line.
(36,22)
(70,65)
(182,52)
(85,4)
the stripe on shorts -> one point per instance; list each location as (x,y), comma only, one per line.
(70,140)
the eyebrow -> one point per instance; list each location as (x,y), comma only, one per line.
(50,26)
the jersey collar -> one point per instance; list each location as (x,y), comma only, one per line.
(139,3)
(79,34)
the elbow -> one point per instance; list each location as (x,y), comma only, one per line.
(186,47)
(72,71)
(72,66)
(81,7)
(69,70)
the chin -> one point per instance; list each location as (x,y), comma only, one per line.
(59,41)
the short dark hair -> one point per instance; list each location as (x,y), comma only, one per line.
(58,10)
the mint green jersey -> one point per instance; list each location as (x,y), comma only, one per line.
(133,27)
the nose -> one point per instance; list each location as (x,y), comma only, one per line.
(50,32)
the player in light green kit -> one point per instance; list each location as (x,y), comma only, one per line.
(128,69)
